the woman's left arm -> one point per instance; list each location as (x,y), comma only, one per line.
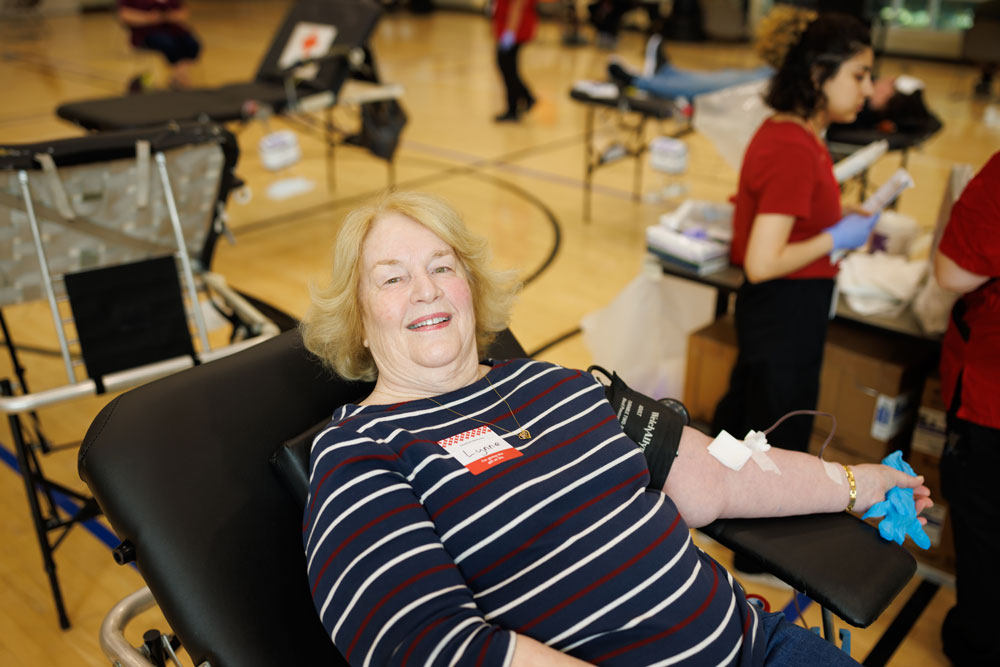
(954,278)
(705,490)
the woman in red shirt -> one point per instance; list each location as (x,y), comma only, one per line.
(514,24)
(787,221)
(968,262)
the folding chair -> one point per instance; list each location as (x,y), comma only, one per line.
(115,232)
(317,47)
(222,555)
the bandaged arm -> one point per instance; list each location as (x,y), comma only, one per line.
(705,490)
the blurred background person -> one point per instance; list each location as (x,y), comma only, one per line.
(514,24)
(162,26)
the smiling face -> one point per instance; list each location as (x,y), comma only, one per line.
(416,305)
(847,90)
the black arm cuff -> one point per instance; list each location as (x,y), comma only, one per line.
(655,426)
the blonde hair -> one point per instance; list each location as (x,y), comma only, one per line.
(779,31)
(333,328)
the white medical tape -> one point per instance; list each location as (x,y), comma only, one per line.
(59,199)
(756,440)
(765,463)
(729,451)
(142,161)
(835,471)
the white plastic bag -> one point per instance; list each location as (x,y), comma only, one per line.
(879,283)
(729,118)
(642,334)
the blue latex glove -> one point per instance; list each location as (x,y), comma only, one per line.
(851,231)
(897,508)
(507,40)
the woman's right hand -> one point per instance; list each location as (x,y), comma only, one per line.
(874,481)
(851,231)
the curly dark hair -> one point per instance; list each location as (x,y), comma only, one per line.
(823,47)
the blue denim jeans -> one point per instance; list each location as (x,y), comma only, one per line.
(670,81)
(790,645)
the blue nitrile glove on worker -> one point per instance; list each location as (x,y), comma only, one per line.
(852,230)
(507,40)
(897,508)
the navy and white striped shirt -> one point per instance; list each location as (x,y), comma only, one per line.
(413,559)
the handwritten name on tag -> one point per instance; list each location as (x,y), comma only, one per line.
(479,449)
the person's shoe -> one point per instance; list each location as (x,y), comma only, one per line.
(621,76)
(525,103)
(508,117)
(134,86)
(655,56)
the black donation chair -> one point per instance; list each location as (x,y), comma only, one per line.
(116,233)
(202,475)
(318,47)
(287,76)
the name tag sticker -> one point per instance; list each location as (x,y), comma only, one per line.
(479,449)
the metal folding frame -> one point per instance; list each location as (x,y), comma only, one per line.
(42,491)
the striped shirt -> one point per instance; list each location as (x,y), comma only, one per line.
(420,555)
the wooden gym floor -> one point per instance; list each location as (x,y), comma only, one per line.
(520,185)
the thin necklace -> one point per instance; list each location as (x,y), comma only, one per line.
(523,433)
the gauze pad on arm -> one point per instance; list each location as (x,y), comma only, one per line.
(729,451)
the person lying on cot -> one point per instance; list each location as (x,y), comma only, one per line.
(162,26)
(671,82)
(472,511)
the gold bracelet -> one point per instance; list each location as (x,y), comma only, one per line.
(854,488)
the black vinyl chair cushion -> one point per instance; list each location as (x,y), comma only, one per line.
(222,105)
(291,463)
(655,107)
(837,559)
(180,468)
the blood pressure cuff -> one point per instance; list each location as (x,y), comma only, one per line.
(655,426)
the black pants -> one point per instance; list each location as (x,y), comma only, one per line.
(781,328)
(969,467)
(516,90)
(174,45)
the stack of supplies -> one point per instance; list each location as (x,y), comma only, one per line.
(696,236)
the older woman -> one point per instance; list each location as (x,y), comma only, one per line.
(492,512)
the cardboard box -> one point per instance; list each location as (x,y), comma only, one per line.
(926,446)
(711,355)
(871,381)
(930,432)
(941,553)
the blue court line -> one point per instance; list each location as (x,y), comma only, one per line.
(791,612)
(66,504)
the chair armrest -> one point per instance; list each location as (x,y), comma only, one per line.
(291,463)
(838,560)
(112,635)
